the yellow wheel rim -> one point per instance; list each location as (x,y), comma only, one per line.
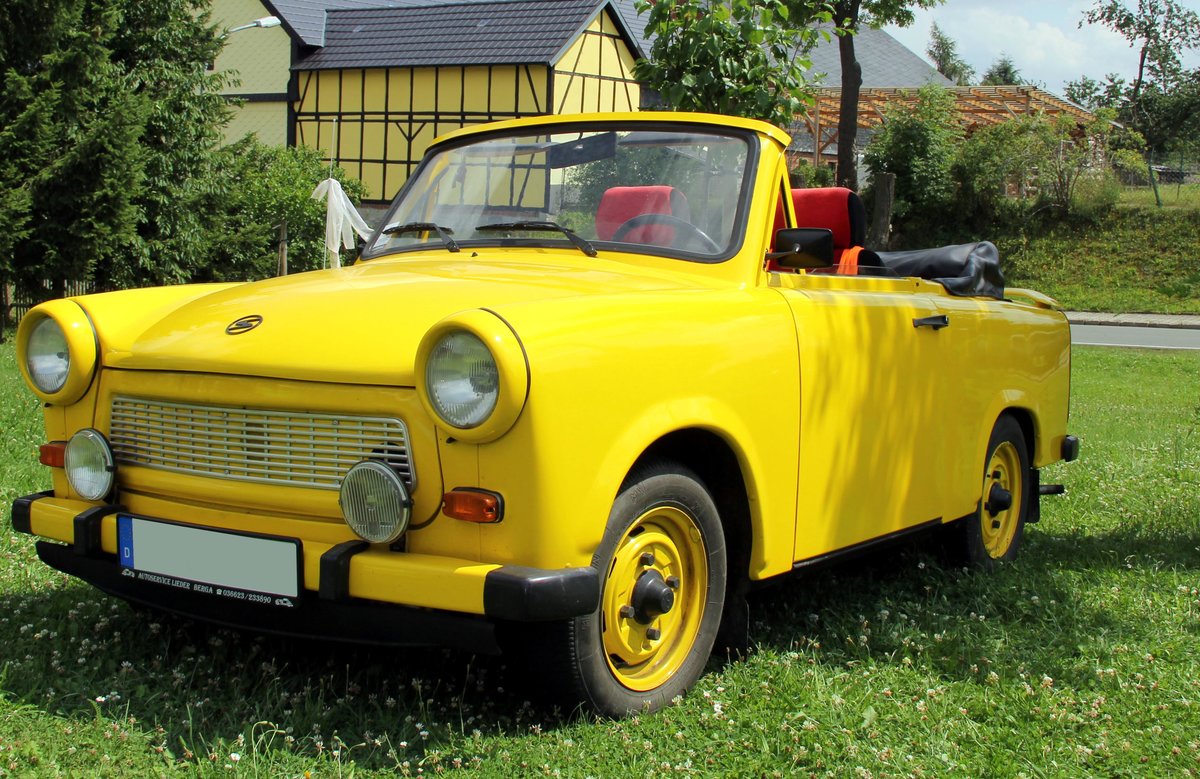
(999,519)
(663,547)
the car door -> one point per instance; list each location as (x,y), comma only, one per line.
(872,362)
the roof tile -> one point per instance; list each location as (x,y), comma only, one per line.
(475,33)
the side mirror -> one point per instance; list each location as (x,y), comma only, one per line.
(803,247)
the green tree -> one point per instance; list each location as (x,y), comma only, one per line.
(1170,119)
(1160,103)
(995,169)
(107,120)
(1092,94)
(944,53)
(1002,73)
(740,57)
(849,17)
(1159,29)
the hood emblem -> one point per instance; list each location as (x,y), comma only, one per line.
(244,325)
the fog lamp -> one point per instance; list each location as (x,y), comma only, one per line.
(375,502)
(90,467)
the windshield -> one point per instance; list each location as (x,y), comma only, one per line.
(676,192)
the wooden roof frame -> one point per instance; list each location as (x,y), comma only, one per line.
(977,105)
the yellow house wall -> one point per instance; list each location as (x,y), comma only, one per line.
(377,123)
(259,59)
(268,121)
(596,72)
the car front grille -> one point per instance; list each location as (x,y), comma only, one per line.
(290,448)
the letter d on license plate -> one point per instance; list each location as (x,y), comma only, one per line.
(184,556)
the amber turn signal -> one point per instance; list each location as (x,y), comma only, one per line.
(53,454)
(471,505)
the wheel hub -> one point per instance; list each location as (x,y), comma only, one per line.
(999,499)
(652,597)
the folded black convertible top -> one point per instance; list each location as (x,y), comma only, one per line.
(968,269)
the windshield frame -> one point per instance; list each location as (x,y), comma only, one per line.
(738,231)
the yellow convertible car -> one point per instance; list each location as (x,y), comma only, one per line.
(592,377)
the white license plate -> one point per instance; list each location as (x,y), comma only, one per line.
(256,569)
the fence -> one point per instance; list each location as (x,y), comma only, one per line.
(1180,168)
(15,303)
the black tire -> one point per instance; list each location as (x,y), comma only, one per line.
(610,661)
(994,534)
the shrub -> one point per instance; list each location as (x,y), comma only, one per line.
(918,144)
(996,172)
(1096,193)
(1129,167)
(805,174)
(255,188)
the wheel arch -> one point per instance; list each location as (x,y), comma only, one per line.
(1025,419)
(714,460)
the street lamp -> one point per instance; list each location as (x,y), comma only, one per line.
(266,21)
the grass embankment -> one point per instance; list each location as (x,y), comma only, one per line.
(1136,259)
(1082,658)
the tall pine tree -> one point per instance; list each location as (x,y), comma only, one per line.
(108,117)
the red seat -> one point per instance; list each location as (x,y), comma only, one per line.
(837,209)
(620,204)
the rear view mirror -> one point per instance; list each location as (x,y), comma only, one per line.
(803,247)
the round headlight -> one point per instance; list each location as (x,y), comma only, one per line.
(89,464)
(462,379)
(58,351)
(375,502)
(47,357)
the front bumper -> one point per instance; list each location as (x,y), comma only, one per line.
(432,600)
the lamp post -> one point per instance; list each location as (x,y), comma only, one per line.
(266,21)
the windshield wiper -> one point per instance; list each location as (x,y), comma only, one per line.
(572,236)
(424,227)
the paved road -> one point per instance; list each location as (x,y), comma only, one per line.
(1146,337)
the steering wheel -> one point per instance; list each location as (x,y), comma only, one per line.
(694,235)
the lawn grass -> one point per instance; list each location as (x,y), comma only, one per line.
(1172,196)
(1082,658)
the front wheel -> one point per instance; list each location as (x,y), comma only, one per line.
(995,534)
(663,570)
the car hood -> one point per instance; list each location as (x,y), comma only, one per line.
(359,324)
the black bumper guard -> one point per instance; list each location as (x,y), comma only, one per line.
(510,594)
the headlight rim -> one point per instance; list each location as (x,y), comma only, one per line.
(83,349)
(512,364)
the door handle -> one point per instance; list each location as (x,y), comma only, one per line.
(937,321)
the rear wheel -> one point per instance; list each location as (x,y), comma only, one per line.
(995,534)
(663,570)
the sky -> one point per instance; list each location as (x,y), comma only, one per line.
(1041,37)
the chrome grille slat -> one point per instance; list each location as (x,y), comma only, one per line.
(280,451)
(259,445)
